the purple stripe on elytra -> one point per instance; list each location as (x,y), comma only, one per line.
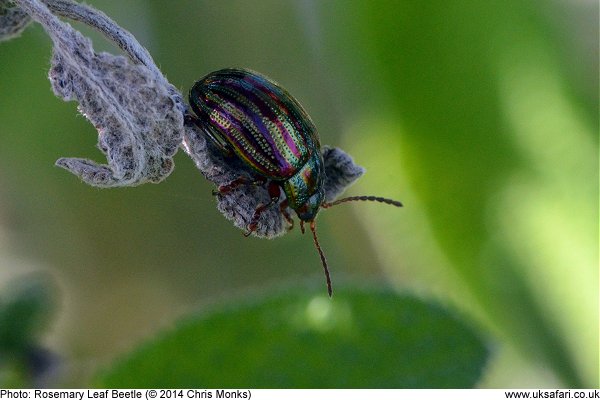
(212,104)
(285,138)
(225,128)
(253,96)
(277,95)
(232,97)
(283,161)
(258,85)
(231,94)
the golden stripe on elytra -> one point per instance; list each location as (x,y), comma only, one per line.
(242,117)
(285,120)
(249,123)
(247,145)
(248,148)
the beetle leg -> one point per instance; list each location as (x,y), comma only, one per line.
(302,226)
(283,206)
(224,189)
(274,192)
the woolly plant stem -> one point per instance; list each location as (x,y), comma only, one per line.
(105,25)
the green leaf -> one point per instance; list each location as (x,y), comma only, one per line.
(25,310)
(303,339)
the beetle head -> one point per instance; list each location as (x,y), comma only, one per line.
(308,211)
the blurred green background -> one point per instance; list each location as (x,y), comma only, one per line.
(481,116)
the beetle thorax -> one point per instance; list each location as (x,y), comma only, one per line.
(304,190)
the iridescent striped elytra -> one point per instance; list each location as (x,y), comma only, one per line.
(249,116)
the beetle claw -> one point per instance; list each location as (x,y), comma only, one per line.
(283,208)
(223,189)
(288,219)
(251,228)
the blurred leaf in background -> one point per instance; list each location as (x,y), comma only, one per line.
(25,311)
(363,338)
(482,117)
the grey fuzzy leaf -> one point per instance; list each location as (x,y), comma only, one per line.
(137,113)
(139,124)
(340,172)
(13,20)
(238,205)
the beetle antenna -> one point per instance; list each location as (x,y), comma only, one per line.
(313,228)
(363,198)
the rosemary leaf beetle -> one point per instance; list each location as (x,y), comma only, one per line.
(249,116)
